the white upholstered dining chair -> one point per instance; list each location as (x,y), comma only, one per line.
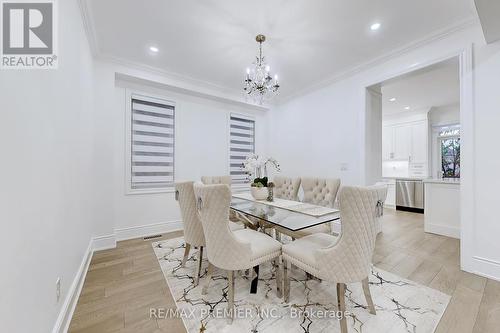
(233,215)
(286,188)
(342,260)
(321,192)
(209,180)
(193,230)
(226,249)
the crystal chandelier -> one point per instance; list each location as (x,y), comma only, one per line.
(258,82)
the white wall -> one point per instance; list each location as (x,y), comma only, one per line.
(202,145)
(486,247)
(444,115)
(315,133)
(373,138)
(53,198)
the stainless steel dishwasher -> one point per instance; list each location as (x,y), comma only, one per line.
(410,195)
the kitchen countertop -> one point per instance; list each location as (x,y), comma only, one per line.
(403,178)
(443,181)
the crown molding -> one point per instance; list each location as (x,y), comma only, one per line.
(236,95)
(182,82)
(123,77)
(167,74)
(134,71)
(435,36)
(88,26)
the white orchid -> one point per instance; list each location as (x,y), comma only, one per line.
(255,164)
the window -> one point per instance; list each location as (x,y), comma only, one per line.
(151,144)
(242,144)
(449,148)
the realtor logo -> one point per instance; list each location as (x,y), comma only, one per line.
(28,34)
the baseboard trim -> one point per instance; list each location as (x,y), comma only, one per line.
(453,232)
(147,230)
(104,242)
(486,267)
(69,305)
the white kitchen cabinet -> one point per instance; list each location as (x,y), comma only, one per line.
(387,143)
(407,141)
(418,151)
(402,142)
(396,142)
(390,201)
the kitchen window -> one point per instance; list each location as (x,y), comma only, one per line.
(150,144)
(449,150)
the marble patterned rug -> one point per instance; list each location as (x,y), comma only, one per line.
(401,305)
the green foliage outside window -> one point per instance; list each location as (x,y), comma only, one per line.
(450,157)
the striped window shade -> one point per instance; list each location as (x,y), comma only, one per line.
(152,155)
(242,144)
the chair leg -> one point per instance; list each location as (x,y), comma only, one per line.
(286,282)
(204,291)
(186,255)
(198,267)
(230,296)
(368,296)
(341,306)
(279,279)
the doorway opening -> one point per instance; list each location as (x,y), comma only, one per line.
(413,145)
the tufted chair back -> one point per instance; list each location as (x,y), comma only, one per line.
(320,191)
(208,180)
(224,250)
(193,230)
(349,259)
(286,188)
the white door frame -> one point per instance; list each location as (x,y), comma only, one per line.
(467,162)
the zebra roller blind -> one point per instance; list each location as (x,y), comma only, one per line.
(242,144)
(153,128)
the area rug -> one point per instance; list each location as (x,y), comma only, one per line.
(401,305)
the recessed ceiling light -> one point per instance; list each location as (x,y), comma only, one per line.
(407,108)
(375,26)
(392,99)
(153,49)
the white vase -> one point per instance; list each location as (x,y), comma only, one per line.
(259,193)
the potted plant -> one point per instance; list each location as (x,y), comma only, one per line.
(256,166)
(259,188)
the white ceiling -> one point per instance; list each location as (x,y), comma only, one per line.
(308,41)
(434,86)
(489,12)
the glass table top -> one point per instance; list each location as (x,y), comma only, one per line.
(282,217)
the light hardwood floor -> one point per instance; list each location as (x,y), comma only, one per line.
(124,283)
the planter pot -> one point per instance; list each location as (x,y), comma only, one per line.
(259,193)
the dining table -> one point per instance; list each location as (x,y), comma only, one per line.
(289,214)
(280,213)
